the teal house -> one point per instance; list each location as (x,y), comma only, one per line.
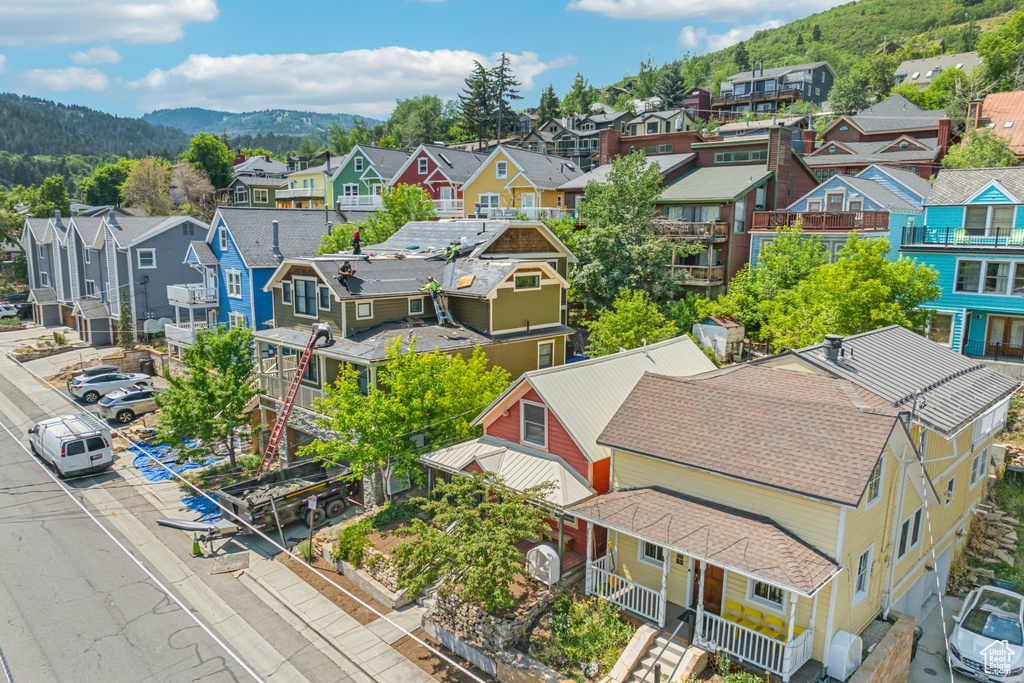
(973,235)
(359,181)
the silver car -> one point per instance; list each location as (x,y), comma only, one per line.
(90,388)
(8,310)
(124,405)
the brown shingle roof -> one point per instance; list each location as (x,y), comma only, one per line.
(750,544)
(803,433)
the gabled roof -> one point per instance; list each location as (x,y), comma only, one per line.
(130,230)
(870,153)
(299,233)
(37,226)
(876,192)
(907,179)
(743,76)
(714,183)
(259,181)
(200,252)
(91,309)
(1003,109)
(432,237)
(967,61)
(386,162)
(585,395)
(545,171)
(894,363)
(666,162)
(894,113)
(43,295)
(257,164)
(958,185)
(795,431)
(456,164)
(88,227)
(606,117)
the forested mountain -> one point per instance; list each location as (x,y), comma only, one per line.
(194,120)
(32,126)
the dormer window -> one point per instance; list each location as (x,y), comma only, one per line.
(357,164)
(421,166)
(501,170)
(534,429)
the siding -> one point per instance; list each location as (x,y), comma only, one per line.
(383,311)
(473,313)
(991,196)
(520,357)
(944,216)
(559,442)
(231,259)
(170,247)
(514,310)
(284,314)
(835,185)
(896,188)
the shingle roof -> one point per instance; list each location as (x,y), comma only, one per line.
(457,164)
(436,235)
(37,226)
(869,153)
(88,227)
(92,309)
(667,163)
(963,60)
(741,126)
(773,73)
(957,185)
(403,277)
(299,233)
(386,161)
(879,194)
(896,113)
(129,229)
(714,183)
(204,254)
(656,114)
(908,179)
(260,181)
(894,362)
(546,171)
(585,395)
(1002,108)
(43,295)
(734,539)
(259,164)
(793,431)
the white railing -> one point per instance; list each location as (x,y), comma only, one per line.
(448,207)
(277,388)
(362,201)
(529,212)
(300,192)
(627,594)
(191,295)
(758,649)
(184,332)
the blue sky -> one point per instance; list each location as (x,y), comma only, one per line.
(128,57)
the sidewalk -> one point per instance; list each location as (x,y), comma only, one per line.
(929,666)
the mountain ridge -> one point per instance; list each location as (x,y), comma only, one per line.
(195,120)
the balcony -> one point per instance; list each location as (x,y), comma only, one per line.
(995,350)
(366,202)
(192,295)
(822,220)
(780,95)
(701,276)
(449,208)
(964,238)
(531,213)
(576,151)
(301,193)
(277,388)
(707,231)
(184,333)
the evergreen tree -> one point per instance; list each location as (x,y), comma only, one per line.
(740,56)
(506,91)
(799,39)
(581,95)
(549,104)
(476,103)
(213,156)
(816,33)
(671,88)
(126,321)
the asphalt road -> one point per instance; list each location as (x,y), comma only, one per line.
(73,605)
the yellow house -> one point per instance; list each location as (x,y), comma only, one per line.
(516,182)
(766,508)
(304,189)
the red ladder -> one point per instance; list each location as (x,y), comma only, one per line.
(286,408)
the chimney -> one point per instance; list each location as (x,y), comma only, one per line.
(111,218)
(832,347)
(780,162)
(56,218)
(608,145)
(974,112)
(239,158)
(944,133)
(762,67)
(753,69)
(809,137)
(275,238)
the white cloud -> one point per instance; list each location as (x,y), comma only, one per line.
(72,78)
(685,9)
(698,38)
(73,21)
(96,55)
(358,81)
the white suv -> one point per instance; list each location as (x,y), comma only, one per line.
(8,310)
(90,388)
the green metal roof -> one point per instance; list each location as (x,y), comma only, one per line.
(722,183)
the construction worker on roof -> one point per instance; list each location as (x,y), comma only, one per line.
(432,286)
(451,252)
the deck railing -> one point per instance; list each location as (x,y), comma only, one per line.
(363,201)
(759,96)
(700,275)
(192,295)
(277,388)
(184,332)
(822,220)
(1009,353)
(672,229)
(300,193)
(961,238)
(448,207)
(758,649)
(629,595)
(529,212)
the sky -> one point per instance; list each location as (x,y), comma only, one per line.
(128,57)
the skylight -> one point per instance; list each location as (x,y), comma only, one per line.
(916,74)
(1008,124)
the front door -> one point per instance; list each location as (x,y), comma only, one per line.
(1005,336)
(446,193)
(713,585)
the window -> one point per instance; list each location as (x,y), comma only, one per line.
(75,447)
(233,281)
(997,276)
(146,258)
(651,553)
(744,155)
(286,292)
(489,200)
(814,205)
(240,194)
(950,490)
(766,594)
(421,166)
(652,127)
(88,255)
(988,220)
(664,149)
(979,467)
(875,482)
(910,532)
(415,306)
(527,282)
(364,310)
(260,196)
(223,234)
(42,252)
(968,276)
(940,329)
(311,374)
(357,164)
(236,319)
(44,278)
(363,380)
(325,298)
(501,169)
(545,355)
(90,288)
(844,128)
(739,218)
(534,427)
(862,581)
(817,92)
(350,190)
(305,297)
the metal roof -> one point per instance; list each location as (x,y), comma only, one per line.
(1002,109)
(957,185)
(907,179)
(666,163)
(743,76)
(519,466)
(966,61)
(871,152)
(714,183)
(585,395)
(894,363)
(436,235)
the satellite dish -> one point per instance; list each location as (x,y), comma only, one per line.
(543,564)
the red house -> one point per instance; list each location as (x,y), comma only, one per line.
(544,428)
(440,171)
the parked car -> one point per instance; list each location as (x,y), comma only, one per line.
(8,311)
(91,388)
(19,298)
(72,444)
(124,405)
(987,643)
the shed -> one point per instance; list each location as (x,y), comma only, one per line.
(723,335)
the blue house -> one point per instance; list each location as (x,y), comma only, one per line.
(871,203)
(241,251)
(973,235)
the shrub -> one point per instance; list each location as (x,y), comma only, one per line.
(60,339)
(743,677)
(306,550)
(587,636)
(353,541)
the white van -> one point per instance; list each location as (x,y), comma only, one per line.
(72,444)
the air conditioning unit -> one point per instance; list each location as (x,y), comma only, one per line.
(844,657)
(544,564)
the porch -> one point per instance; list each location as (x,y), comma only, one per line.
(448,208)
(275,376)
(672,229)
(741,582)
(963,238)
(528,212)
(192,295)
(822,220)
(184,332)
(366,202)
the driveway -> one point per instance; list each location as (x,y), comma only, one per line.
(929,666)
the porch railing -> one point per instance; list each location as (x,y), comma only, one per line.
(191,295)
(184,332)
(959,238)
(1010,353)
(529,212)
(363,201)
(300,193)
(758,649)
(627,594)
(822,220)
(672,229)
(277,388)
(700,275)
(448,207)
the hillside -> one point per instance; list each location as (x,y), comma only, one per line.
(32,126)
(194,120)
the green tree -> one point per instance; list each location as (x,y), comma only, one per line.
(1002,49)
(52,197)
(258,152)
(12,223)
(147,186)
(863,290)
(506,91)
(981,148)
(103,188)
(476,103)
(671,88)
(400,204)
(633,320)
(740,56)
(208,399)
(849,94)
(816,33)
(799,39)
(549,105)
(211,155)
(430,394)
(579,98)
(418,120)
(338,141)
(477,561)
(647,77)
(126,321)
(308,148)
(619,249)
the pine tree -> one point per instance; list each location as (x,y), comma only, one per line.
(799,39)
(475,103)
(671,88)
(740,56)
(126,322)
(579,98)
(816,33)
(548,108)
(506,91)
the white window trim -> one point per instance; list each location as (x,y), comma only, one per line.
(138,258)
(641,557)
(44,278)
(981,279)
(522,423)
(260,195)
(286,286)
(498,173)
(422,301)
(87,288)
(546,343)
(976,477)
(357,164)
(911,543)
(319,303)
(222,233)
(234,318)
(517,288)
(952,326)
(422,166)
(228,274)
(88,255)
(950,496)
(816,202)
(860,595)
(988,215)
(575,523)
(766,604)
(364,303)
(41,251)
(295,298)
(881,483)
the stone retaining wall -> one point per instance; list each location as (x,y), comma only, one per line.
(890,660)
(378,565)
(486,631)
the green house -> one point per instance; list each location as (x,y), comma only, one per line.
(360,180)
(254,192)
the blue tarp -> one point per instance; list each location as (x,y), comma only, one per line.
(144,463)
(208,510)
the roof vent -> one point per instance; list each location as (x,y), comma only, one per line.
(832,347)
(275,238)
(111,218)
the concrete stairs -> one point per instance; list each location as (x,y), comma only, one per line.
(669,661)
